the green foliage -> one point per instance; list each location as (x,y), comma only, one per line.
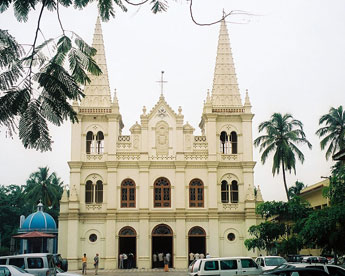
(292,210)
(22,200)
(12,206)
(296,189)
(325,228)
(336,190)
(290,245)
(334,132)
(265,234)
(283,133)
(33,106)
(44,186)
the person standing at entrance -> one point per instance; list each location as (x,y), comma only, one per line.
(154,258)
(160,259)
(125,259)
(166,264)
(168,256)
(96,261)
(84,262)
(121,261)
(191,257)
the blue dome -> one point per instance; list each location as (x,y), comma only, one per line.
(39,221)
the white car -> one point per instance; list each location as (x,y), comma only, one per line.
(60,272)
(332,270)
(12,270)
(269,262)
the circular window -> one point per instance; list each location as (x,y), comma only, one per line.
(231,236)
(93,238)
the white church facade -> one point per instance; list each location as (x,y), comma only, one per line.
(160,189)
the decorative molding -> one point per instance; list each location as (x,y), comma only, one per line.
(90,110)
(229,157)
(230,206)
(93,207)
(196,156)
(128,156)
(124,138)
(94,157)
(162,158)
(228,110)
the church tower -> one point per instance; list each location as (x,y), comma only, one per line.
(160,189)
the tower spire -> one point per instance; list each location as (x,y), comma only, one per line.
(225,90)
(97,93)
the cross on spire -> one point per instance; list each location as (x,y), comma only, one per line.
(162,82)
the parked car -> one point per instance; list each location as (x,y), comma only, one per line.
(295,258)
(298,272)
(269,262)
(332,270)
(60,262)
(225,266)
(60,272)
(39,264)
(12,270)
(314,259)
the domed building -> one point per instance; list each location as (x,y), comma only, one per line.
(37,233)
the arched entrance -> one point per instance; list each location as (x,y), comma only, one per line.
(196,242)
(162,244)
(128,246)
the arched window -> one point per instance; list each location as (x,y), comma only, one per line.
(99,192)
(225,191)
(162,193)
(128,193)
(224,142)
(162,230)
(99,142)
(89,142)
(234,192)
(233,140)
(88,192)
(196,193)
(197,232)
(127,232)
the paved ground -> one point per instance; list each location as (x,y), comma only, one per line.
(136,272)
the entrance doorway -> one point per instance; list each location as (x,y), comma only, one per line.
(196,243)
(128,246)
(162,245)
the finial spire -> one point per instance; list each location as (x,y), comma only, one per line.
(225,90)
(97,93)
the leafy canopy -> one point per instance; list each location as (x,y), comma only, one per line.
(333,132)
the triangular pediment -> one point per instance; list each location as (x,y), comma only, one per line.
(162,110)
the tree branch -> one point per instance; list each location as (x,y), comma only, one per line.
(58,15)
(34,44)
(136,4)
(225,15)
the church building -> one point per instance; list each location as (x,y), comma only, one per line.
(160,189)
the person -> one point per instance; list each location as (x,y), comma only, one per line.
(125,259)
(208,255)
(96,262)
(154,258)
(196,256)
(168,256)
(84,262)
(191,257)
(160,259)
(202,255)
(130,260)
(166,264)
(121,261)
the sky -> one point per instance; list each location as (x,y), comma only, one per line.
(288,54)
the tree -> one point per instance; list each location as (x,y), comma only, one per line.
(44,186)
(334,132)
(35,86)
(283,133)
(266,235)
(296,190)
(12,207)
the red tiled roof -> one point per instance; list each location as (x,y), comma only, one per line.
(34,234)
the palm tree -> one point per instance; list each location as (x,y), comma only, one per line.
(333,132)
(283,133)
(44,186)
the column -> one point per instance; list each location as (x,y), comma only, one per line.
(111,253)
